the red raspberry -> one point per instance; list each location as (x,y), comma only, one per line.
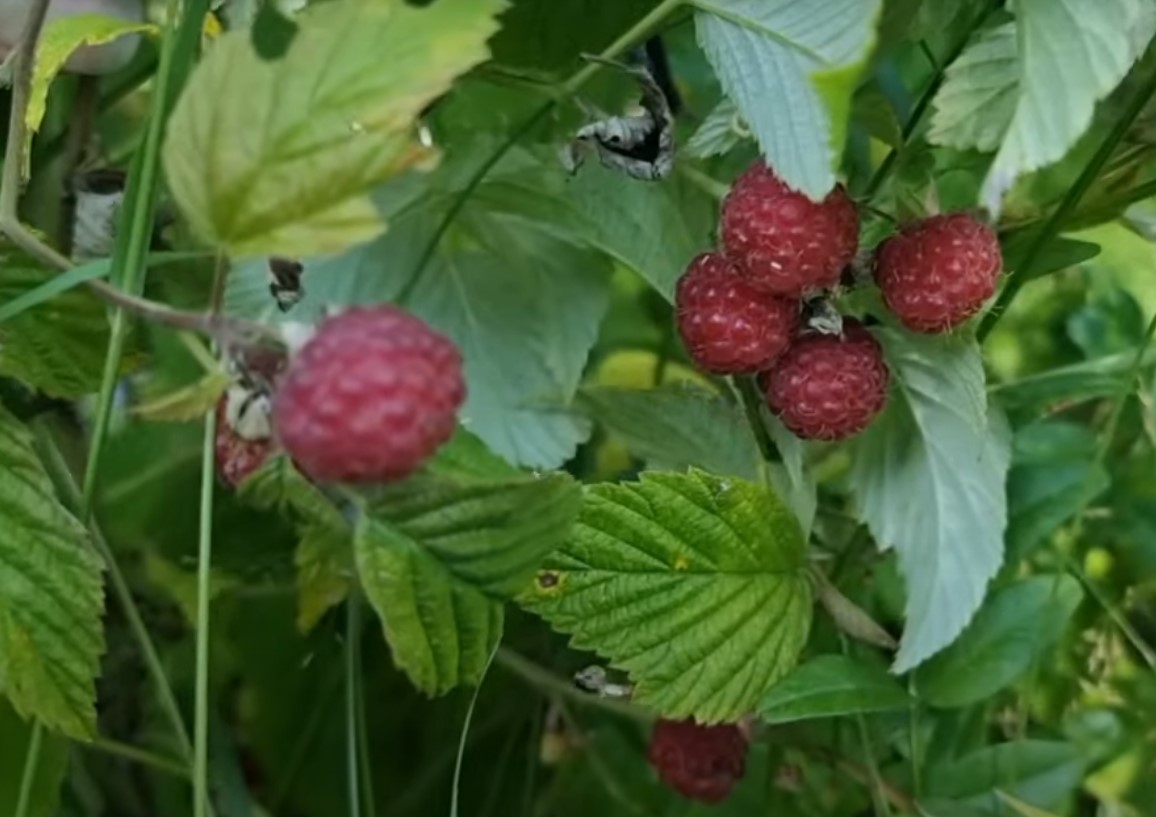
(937,273)
(372,394)
(782,241)
(238,457)
(727,325)
(699,762)
(828,387)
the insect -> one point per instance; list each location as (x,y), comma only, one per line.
(594,679)
(285,282)
(641,145)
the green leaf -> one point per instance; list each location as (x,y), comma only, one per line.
(56,346)
(776,55)
(51,596)
(1021,808)
(278,158)
(493,536)
(676,427)
(718,134)
(1057,255)
(1011,631)
(523,305)
(831,686)
(549,36)
(1042,773)
(323,558)
(52,287)
(440,629)
(694,584)
(15,735)
(60,38)
(1071,54)
(976,103)
(1053,477)
(929,476)
(643,226)
(1072,384)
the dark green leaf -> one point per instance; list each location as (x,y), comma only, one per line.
(15,734)
(1042,773)
(830,686)
(1010,632)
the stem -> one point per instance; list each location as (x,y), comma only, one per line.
(1051,227)
(549,683)
(878,786)
(352,670)
(138,755)
(924,101)
(570,87)
(204,575)
(466,733)
(753,408)
(1130,633)
(1122,397)
(11,178)
(369,798)
(913,738)
(31,761)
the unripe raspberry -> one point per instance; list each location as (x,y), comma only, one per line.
(372,394)
(781,241)
(828,387)
(728,326)
(938,272)
(699,762)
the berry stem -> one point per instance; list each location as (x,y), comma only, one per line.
(752,400)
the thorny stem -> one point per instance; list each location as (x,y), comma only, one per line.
(568,88)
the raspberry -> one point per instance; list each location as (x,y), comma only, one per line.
(372,394)
(937,273)
(828,387)
(699,762)
(727,325)
(782,241)
(237,456)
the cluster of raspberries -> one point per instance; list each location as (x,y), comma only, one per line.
(739,310)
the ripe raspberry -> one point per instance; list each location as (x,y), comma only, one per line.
(782,241)
(727,325)
(369,397)
(937,273)
(699,762)
(828,387)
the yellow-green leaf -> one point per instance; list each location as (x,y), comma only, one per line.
(280,157)
(61,38)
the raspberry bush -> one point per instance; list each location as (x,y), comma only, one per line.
(515,407)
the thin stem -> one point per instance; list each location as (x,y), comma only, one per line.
(31,762)
(352,670)
(70,494)
(368,796)
(1130,633)
(924,102)
(1071,200)
(1126,386)
(138,755)
(570,87)
(11,178)
(878,786)
(752,401)
(204,575)
(913,738)
(455,791)
(549,683)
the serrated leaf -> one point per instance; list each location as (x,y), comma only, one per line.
(774,56)
(1010,632)
(60,38)
(278,158)
(52,763)
(929,477)
(976,103)
(1043,773)
(830,686)
(323,558)
(718,133)
(491,535)
(1071,54)
(676,427)
(440,629)
(51,595)
(692,583)
(58,345)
